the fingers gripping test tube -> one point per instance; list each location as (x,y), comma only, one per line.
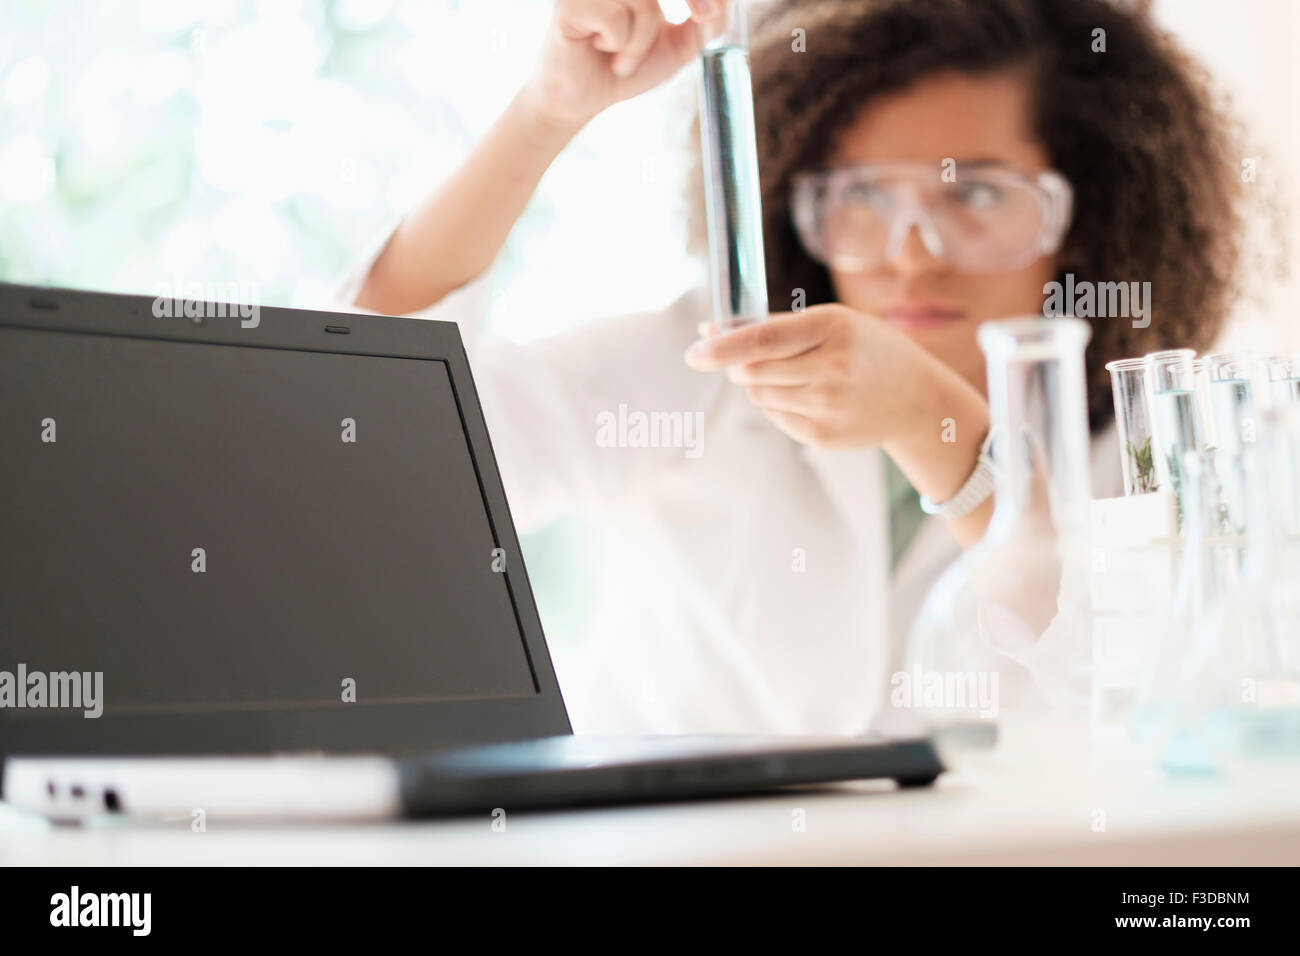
(731,186)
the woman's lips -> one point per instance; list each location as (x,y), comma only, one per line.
(924,316)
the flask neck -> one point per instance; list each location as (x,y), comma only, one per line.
(1038,417)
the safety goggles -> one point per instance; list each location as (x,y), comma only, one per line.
(980,218)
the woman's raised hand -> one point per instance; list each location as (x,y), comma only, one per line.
(599,52)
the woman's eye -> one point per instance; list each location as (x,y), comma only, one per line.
(865,194)
(976,195)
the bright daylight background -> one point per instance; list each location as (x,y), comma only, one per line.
(146,143)
(149,144)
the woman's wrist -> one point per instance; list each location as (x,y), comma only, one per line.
(937,447)
(541,124)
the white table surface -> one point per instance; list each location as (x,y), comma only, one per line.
(1051,801)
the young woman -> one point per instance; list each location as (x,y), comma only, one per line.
(761,580)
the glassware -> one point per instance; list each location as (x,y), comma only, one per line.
(1133,425)
(1282,410)
(1171,381)
(1284,379)
(1284,472)
(1253,678)
(731,185)
(1232,400)
(1006,630)
(1204,403)
(1171,713)
(1222,686)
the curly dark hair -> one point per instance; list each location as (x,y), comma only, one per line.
(1138,131)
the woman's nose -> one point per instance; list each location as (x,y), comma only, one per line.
(912,256)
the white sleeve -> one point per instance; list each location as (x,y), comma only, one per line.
(553,409)
(543,400)
(465,305)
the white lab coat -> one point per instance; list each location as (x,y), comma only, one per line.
(743,590)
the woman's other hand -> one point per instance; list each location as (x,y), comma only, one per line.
(828,375)
(834,378)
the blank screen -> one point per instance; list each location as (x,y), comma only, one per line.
(201,532)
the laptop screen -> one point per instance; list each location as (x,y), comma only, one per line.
(220,527)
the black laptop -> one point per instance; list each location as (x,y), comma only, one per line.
(260,562)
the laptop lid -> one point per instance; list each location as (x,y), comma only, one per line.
(220,535)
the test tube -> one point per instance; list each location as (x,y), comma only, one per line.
(731,186)
(1283,417)
(1284,379)
(1232,398)
(1133,423)
(1282,407)
(1204,403)
(1172,385)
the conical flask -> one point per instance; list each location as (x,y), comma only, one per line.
(1006,629)
(1246,690)
(1176,693)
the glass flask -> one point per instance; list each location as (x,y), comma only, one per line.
(1223,682)
(1250,683)
(1006,630)
(1171,707)
(1133,425)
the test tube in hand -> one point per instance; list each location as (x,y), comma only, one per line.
(731,187)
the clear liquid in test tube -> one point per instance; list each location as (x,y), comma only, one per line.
(1172,389)
(731,185)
